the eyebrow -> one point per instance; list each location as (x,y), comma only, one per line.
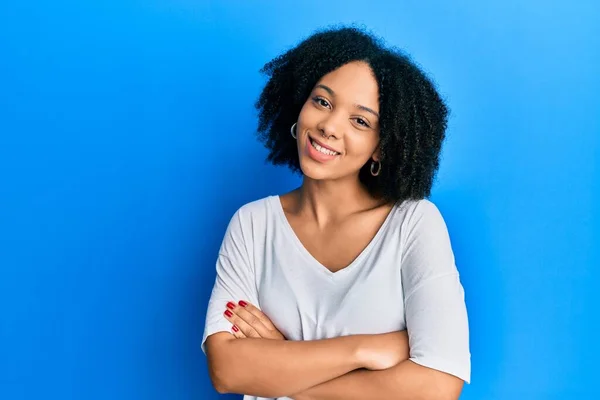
(332,93)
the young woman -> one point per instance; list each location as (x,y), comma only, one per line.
(346,287)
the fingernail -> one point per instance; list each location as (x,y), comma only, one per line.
(230,305)
(235,328)
(228,313)
(242,303)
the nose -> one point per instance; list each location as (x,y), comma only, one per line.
(331,126)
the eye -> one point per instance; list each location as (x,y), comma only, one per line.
(321,101)
(362,122)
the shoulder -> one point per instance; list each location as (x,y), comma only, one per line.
(248,222)
(256,208)
(255,213)
(420,217)
(413,212)
(423,209)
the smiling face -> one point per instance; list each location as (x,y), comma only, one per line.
(338,126)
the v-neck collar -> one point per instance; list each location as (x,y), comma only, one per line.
(276,201)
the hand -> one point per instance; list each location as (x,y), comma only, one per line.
(249,322)
(383,351)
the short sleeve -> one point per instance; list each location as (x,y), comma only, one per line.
(434,299)
(234,277)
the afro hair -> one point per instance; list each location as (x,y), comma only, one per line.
(413,116)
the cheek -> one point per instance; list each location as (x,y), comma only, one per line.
(309,116)
(361,144)
(304,112)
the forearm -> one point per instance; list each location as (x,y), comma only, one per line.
(405,381)
(275,368)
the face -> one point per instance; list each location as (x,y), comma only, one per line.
(338,126)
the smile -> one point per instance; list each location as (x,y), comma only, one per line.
(322,149)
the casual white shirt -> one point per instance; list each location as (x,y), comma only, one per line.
(406,278)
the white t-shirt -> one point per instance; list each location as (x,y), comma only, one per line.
(405,278)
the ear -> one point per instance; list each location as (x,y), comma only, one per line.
(377,153)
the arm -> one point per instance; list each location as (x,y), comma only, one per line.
(395,376)
(402,379)
(276,368)
(254,364)
(405,381)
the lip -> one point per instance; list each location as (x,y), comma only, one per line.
(323,145)
(316,155)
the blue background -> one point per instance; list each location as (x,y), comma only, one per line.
(126,144)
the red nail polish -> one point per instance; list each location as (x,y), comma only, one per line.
(228,313)
(235,328)
(230,305)
(242,303)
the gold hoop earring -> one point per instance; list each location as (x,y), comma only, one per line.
(373,164)
(293,131)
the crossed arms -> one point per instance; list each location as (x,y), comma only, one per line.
(259,361)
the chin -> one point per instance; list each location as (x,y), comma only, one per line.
(312,171)
(317,172)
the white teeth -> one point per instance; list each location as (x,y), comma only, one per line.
(322,149)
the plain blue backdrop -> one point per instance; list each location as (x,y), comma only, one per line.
(127,142)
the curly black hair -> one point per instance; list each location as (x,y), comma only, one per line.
(413,116)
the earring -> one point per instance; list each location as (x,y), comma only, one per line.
(293,131)
(373,164)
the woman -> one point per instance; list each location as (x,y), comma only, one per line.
(345,288)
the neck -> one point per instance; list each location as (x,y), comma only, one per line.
(330,201)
